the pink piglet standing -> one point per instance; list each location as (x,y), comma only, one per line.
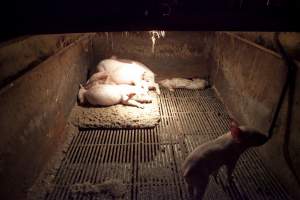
(225,150)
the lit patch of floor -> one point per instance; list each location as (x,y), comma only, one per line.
(147,161)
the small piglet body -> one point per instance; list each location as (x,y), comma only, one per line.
(107,95)
(209,157)
(193,84)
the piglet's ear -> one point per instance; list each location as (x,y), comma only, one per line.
(131,95)
(233,123)
(235,130)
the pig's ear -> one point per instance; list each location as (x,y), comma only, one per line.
(233,123)
(130,95)
(105,76)
(236,132)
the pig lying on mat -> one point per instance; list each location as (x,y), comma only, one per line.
(209,157)
(108,95)
(193,84)
(123,71)
(119,81)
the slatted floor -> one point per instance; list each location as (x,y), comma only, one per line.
(148,161)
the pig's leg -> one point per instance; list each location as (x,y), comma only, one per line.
(200,187)
(98,76)
(126,100)
(142,98)
(156,86)
(190,187)
(81,93)
(230,165)
(91,84)
(131,102)
(191,191)
(215,175)
(171,89)
(110,81)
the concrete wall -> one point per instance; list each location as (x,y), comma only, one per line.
(33,113)
(249,80)
(19,55)
(290,41)
(178,54)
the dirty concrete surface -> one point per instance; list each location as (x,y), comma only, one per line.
(19,55)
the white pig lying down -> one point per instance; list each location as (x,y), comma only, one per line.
(193,84)
(209,157)
(108,95)
(123,71)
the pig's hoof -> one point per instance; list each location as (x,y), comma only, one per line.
(230,180)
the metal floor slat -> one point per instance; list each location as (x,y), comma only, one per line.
(148,161)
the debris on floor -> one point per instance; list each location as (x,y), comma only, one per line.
(117,116)
(113,188)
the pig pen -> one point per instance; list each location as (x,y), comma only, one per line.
(44,156)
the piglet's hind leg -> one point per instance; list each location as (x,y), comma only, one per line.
(98,76)
(230,165)
(127,101)
(200,187)
(157,88)
(131,102)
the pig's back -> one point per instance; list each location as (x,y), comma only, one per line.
(108,65)
(121,72)
(104,95)
(111,65)
(136,64)
(206,158)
